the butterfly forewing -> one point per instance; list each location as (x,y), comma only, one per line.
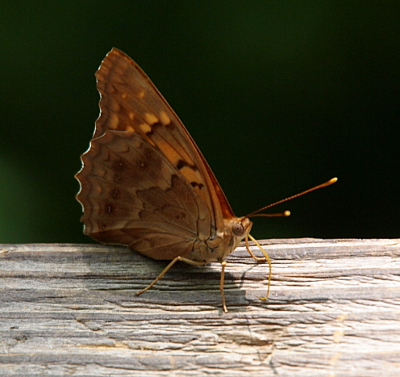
(131,102)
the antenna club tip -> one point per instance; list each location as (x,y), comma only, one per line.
(328,183)
(286,213)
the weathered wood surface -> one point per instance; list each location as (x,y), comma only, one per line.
(334,310)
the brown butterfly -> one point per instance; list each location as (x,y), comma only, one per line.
(144,182)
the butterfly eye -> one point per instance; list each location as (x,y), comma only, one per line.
(237,229)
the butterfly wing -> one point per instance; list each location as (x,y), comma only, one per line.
(131,102)
(144,182)
(132,195)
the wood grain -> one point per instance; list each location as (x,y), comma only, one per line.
(334,310)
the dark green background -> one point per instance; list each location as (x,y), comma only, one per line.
(280,96)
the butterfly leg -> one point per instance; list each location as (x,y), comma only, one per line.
(266,258)
(258,259)
(165,270)
(221,286)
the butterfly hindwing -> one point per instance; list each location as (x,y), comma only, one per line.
(132,195)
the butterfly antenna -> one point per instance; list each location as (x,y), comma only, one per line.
(287,213)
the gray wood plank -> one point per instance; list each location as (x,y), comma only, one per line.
(333,310)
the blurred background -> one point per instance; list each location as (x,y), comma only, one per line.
(279,96)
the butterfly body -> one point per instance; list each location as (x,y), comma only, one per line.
(144,182)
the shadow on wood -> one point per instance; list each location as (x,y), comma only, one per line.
(72,310)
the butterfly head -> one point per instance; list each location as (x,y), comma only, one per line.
(239,227)
(236,229)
